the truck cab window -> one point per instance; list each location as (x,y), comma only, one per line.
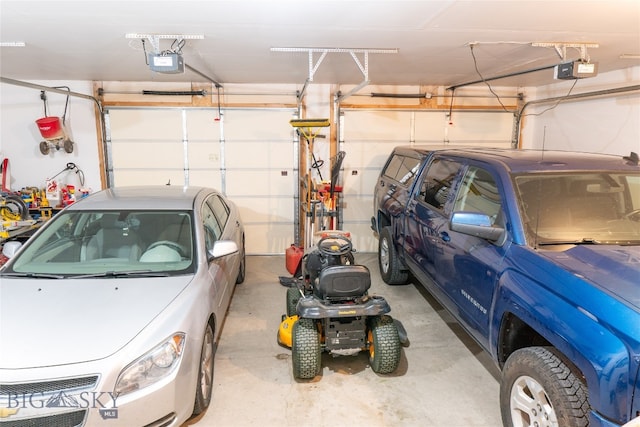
(478,193)
(438,179)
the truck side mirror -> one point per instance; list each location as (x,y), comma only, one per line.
(478,225)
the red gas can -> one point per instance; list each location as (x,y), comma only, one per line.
(293,255)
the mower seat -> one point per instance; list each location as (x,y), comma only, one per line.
(342,282)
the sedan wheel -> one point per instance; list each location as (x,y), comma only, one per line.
(204,386)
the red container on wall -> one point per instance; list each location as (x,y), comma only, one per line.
(50,127)
(293,255)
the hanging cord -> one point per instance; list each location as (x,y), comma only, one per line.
(73,167)
(66,104)
(43,96)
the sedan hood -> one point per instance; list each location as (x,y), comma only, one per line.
(46,322)
(615,269)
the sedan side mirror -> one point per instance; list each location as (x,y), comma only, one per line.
(223,248)
(9,249)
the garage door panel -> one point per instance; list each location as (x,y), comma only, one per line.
(259,183)
(259,154)
(205,178)
(258,125)
(153,155)
(264,239)
(204,154)
(378,126)
(248,155)
(359,184)
(265,209)
(149,177)
(487,127)
(155,124)
(367,153)
(202,125)
(369,137)
(362,237)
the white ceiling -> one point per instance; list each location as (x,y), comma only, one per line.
(85,40)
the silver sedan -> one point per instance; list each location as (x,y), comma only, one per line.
(111,313)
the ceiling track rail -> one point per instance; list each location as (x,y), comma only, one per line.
(504,76)
(50,89)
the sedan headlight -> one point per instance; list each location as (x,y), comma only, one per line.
(152,366)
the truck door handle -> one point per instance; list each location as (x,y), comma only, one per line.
(445,236)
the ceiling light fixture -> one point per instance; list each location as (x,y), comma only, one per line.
(630,56)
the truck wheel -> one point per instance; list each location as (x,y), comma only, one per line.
(384,345)
(293,295)
(537,388)
(305,349)
(388,260)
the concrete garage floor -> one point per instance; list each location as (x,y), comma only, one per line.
(444,378)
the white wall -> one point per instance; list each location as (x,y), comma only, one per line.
(608,124)
(20,107)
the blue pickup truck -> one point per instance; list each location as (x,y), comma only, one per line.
(537,255)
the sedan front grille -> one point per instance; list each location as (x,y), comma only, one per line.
(52,395)
(47,387)
(69,419)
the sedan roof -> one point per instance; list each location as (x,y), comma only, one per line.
(141,197)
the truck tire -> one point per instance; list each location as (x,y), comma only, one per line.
(388,260)
(538,388)
(305,349)
(293,295)
(384,345)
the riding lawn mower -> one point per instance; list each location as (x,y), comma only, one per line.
(329,309)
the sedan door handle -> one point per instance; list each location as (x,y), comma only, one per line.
(445,236)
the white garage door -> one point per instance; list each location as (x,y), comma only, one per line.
(248,155)
(369,136)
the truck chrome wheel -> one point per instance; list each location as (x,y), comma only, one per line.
(530,405)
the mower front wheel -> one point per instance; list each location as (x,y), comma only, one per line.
(384,345)
(293,295)
(305,349)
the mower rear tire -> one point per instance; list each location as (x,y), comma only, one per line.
(305,349)
(384,345)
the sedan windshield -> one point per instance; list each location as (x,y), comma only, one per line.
(581,207)
(108,244)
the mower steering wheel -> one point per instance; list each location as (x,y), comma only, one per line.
(335,245)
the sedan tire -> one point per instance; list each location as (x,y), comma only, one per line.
(204,386)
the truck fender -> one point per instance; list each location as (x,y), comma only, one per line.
(603,360)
